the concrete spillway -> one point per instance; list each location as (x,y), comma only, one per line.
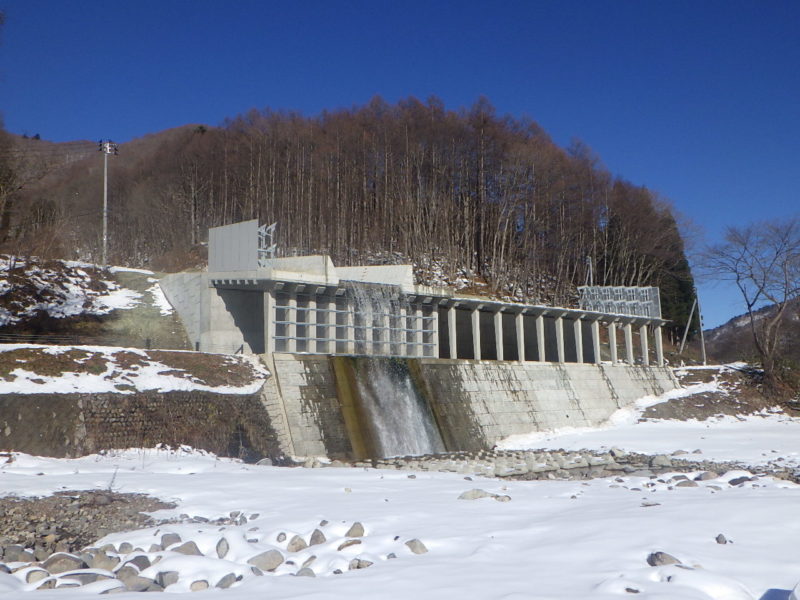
(398,417)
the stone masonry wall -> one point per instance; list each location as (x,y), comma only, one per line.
(79,424)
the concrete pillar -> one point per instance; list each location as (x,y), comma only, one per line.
(419,338)
(520,327)
(628,344)
(349,330)
(476,333)
(434,352)
(399,345)
(645,348)
(269,321)
(330,324)
(596,341)
(540,338)
(291,328)
(498,334)
(312,318)
(659,347)
(451,331)
(612,342)
(576,328)
(560,338)
(382,345)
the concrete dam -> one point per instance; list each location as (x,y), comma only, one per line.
(365,363)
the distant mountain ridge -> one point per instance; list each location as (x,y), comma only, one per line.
(734,339)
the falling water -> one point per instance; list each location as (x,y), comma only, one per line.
(400,419)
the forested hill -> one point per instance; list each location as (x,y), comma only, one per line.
(465,192)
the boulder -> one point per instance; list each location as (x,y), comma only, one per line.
(168,539)
(296,544)
(199,585)
(317,537)
(660,559)
(227,581)
(416,546)
(306,572)
(356,530)
(267,561)
(61,562)
(222,548)
(189,548)
(166,578)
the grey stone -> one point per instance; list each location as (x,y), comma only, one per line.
(189,548)
(141,562)
(317,537)
(222,548)
(137,583)
(501,497)
(660,559)
(306,572)
(281,537)
(168,539)
(125,548)
(391,555)
(721,539)
(35,575)
(358,563)
(16,553)
(61,562)
(706,476)
(309,560)
(166,578)
(267,561)
(227,581)
(199,585)
(356,530)
(740,480)
(347,544)
(126,572)
(660,461)
(155,548)
(416,546)
(296,544)
(686,483)
(101,560)
(475,494)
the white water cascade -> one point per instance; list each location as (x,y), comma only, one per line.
(400,419)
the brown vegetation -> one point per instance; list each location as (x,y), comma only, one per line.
(467,189)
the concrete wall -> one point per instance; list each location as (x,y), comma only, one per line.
(215,319)
(476,404)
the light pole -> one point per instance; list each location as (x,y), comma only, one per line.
(106,147)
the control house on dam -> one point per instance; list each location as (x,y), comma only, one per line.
(478,369)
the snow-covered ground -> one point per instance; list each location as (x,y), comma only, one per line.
(552,540)
(59,289)
(30,369)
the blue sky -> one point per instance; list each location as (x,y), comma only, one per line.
(696,100)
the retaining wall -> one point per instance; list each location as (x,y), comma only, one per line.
(79,424)
(475,403)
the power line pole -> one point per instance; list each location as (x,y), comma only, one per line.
(106,147)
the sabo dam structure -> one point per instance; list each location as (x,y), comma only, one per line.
(365,363)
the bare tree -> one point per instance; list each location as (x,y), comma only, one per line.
(763,260)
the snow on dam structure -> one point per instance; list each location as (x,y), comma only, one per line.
(354,351)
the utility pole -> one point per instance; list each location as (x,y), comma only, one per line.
(106,147)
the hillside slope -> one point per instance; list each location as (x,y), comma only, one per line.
(734,340)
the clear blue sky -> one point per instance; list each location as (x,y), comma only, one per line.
(699,101)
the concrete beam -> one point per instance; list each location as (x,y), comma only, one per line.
(434,350)
(312,318)
(419,349)
(291,328)
(520,330)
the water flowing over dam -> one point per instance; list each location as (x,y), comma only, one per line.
(399,419)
